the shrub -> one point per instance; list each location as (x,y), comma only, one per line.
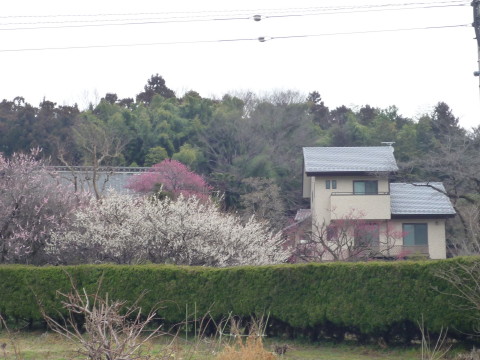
(376,299)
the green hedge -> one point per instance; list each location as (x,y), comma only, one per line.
(375,298)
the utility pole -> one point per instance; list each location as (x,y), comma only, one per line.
(476,24)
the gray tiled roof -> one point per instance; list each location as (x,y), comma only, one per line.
(303,214)
(349,159)
(419,199)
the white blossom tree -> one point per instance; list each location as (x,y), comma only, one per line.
(32,204)
(185,231)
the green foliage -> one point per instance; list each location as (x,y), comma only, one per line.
(369,299)
(230,135)
(23,126)
(155,87)
(425,137)
(155,155)
(240,136)
(359,134)
(188,155)
(259,166)
(383,129)
(405,145)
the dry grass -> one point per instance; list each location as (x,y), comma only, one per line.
(250,349)
(49,346)
(474,354)
(41,346)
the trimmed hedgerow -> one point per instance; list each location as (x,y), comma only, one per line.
(369,299)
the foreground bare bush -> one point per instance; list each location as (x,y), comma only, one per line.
(104,329)
(10,343)
(433,350)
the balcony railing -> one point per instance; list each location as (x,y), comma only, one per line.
(106,169)
(372,206)
(360,194)
(409,250)
(403,251)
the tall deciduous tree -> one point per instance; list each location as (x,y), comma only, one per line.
(456,163)
(100,142)
(260,137)
(263,199)
(448,153)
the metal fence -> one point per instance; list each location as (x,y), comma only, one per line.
(80,178)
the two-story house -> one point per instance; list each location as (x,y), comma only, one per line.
(348,185)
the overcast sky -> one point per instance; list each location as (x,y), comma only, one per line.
(347,57)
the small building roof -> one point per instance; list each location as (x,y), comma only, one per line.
(422,199)
(303,214)
(349,159)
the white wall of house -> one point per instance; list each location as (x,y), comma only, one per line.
(307,185)
(391,241)
(326,206)
(437,247)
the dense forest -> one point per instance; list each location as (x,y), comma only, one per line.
(248,147)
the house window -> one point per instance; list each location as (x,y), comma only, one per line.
(367,235)
(330,184)
(365,187)
(332,232)
(415,234)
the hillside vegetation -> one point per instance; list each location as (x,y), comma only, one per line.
(248,147)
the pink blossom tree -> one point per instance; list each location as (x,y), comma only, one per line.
(174,178)
(32,204)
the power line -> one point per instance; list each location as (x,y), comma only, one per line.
(364,11)
(187,19)
(238,11)
(123,24)
(190,19)
(261,39)
(371,31)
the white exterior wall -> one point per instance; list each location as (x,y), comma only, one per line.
(437,246)
(378,206)
(374,208)
(307,187)
(391,238)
